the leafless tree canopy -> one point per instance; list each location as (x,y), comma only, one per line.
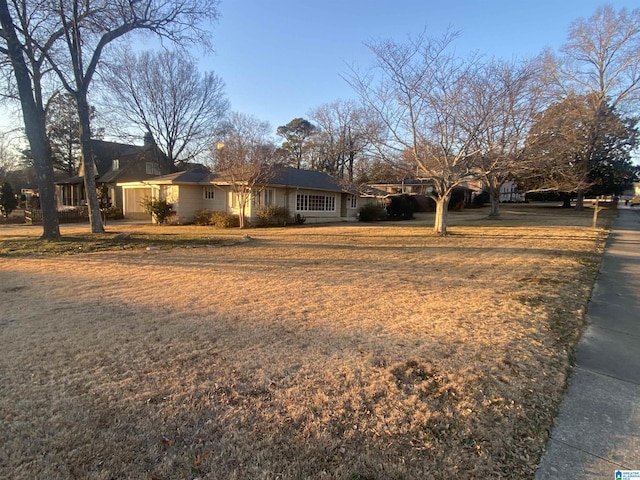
(432,107)
(243,157)
(602,57)
(345,133)
(165,94)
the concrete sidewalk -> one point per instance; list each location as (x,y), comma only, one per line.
(598,429)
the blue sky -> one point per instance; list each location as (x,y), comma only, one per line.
(281,58)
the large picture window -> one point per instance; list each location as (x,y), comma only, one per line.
(315,203)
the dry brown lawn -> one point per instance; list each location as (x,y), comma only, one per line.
(347,351)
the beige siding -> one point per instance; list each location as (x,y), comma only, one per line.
(191,200)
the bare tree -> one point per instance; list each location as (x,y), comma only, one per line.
(344,133)
(421,92)
(89,27)
(8,156)
(242,159)
(165,94)
(600,62)
(25,47)
(516,100)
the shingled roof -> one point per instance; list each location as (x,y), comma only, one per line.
(309,179)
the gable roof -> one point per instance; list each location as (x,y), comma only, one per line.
(284,177)
(195,176)
(298,178)
(105,152)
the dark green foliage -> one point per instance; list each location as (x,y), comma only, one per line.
(480,199)
(273,215)
(8,200)
(372,212)
(159,209)
(457,201)
(113,213)
(402,207)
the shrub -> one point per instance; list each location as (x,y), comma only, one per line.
(160,209)
(273,215)
(8,200)
(402,207)
(203,217)
(113,213)
(372,212)
(224,220)
(480,199)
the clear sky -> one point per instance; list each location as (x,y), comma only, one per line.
(281,58)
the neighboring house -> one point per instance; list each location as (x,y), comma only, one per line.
(115,163)
(405,187)
(509,192)
(422,188)
(313,195)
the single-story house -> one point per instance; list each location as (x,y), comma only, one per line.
(314,195)
(113,163)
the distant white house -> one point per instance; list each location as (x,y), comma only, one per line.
(313,195)
(509,192)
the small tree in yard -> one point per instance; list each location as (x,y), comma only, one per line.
(159,209)
(243,159)
(8,200)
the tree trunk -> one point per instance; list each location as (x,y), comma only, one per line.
(494,195)
(442,212)
(95,218)
(34,122)
(580,200)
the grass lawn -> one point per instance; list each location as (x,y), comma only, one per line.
(351,351)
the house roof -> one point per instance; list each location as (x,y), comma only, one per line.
(105,152)
(298,178)
(195,176)
(277,177)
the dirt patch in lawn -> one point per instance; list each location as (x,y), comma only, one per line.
(348,351)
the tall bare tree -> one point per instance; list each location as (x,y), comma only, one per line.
(164,93)
(88,29)
(243,158)
(515,87)
(421,91)
(345,132)
(600,62)
(25,46)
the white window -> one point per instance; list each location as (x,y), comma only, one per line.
(115,164)
(209,192)
(352,201)
(152,168)
(315,203)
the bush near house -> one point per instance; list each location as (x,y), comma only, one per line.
(402,207)
(273,215)
(372,213)
(202,217)
(159,209)
(216,218)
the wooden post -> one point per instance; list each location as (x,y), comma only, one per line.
(595,215)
